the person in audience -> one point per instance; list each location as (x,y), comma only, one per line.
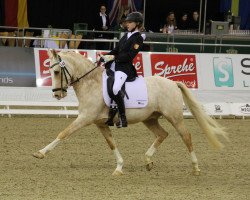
(194,23)
(102,24)
(170,24)
(183,23)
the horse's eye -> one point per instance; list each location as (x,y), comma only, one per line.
(56,72)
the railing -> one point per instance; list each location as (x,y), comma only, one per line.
(180,41)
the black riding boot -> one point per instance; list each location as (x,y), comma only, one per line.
(112,113)
(121,108)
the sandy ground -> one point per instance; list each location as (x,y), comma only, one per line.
(81,167)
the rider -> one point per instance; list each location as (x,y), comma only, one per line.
(123,54)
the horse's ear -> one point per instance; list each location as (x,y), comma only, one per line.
(52,53)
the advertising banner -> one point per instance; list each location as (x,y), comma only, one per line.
(240,109)
(17,67)
(177,67)
(224,71)
(208,72)
(217,109)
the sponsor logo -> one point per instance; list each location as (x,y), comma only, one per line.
(217,109)
(245,63)
(223,72)
(6,80)
(176,67)
(245,109)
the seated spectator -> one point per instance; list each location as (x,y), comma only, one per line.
(170,24)
(194,22)
(183,23)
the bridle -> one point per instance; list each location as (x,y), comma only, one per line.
(65,72)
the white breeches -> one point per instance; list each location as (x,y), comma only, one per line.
(120,78)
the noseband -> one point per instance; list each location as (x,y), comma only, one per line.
(65,71)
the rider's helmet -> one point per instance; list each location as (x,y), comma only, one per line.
(135,17)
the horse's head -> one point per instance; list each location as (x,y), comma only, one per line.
(59,74)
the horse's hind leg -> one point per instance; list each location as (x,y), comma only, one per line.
(74,126)
(186,137)
(109,138)
(154,126)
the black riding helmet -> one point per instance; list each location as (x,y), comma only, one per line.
(135,17)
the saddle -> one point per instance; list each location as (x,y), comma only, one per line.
(137,96)
(110,83)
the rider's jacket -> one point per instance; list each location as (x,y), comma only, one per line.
(125,52)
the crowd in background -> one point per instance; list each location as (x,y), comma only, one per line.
(171,23)
(185,22)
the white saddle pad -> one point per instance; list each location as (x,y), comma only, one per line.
(136,91)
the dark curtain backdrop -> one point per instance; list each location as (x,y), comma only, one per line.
(2,13)
(63,13)
(244,12)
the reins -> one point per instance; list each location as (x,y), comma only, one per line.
(77,79)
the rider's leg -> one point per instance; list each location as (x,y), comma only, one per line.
(112,112)
(120,78)
(113,107)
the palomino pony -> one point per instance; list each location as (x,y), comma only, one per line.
(165,97)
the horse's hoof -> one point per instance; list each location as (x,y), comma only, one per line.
(149,166)
(197,173)
(117,173)
(38,155)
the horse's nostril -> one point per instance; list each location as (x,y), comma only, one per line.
(56,95)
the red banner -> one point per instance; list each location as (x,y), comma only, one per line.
(176,67)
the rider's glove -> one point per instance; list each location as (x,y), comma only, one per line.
(107,58)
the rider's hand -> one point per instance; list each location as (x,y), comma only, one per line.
(106,58)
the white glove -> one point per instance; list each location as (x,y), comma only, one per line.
(107,58)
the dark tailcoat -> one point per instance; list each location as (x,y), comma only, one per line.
(125,52)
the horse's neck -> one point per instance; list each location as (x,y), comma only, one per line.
(91,83)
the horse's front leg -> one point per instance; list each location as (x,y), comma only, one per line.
(111,142)
(74,126)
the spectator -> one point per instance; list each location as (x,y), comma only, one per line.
(194,23)
(102,24)
(170,24)
(183,23)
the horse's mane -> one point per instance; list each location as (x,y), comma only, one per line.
(80,63)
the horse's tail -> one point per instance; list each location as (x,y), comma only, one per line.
(208,125)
